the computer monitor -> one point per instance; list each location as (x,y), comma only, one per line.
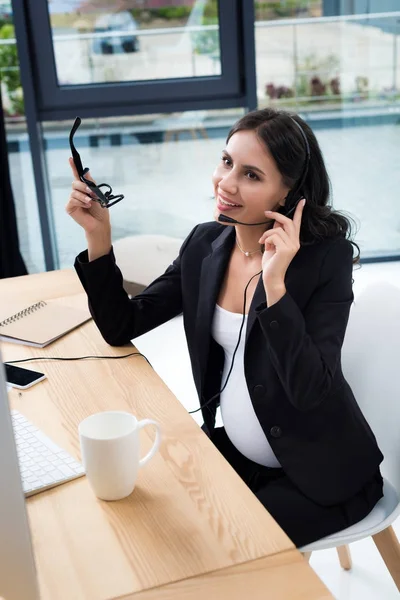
(17,568)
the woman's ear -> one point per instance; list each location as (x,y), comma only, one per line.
(281,206)
(282,202)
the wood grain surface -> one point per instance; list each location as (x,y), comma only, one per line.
(283,576)
(190,514)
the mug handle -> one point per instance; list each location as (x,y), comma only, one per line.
(157,441)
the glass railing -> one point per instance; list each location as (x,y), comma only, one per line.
(349,62)
(141,55)
(318,64)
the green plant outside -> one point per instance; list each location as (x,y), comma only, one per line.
(325,69)
(289,8)
(9,70)
(168,13)
(175,13)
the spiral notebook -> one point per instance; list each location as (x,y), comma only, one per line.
(45,321)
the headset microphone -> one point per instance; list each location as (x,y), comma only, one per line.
(225,219)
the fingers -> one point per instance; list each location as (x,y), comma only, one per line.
(277,225)
(81,186)
(286,222)
(75,171)
(272,235)
(78,200)
(278,231)
(299,213)
(275,241)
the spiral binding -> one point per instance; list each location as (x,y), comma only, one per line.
(23,313)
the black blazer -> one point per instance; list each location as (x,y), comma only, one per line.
(292,353)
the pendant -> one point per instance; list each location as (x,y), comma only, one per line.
(246,253)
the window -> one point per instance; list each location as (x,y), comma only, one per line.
(341,73)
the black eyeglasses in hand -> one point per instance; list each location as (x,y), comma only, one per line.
(103,198)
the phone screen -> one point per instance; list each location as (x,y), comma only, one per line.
(20,376)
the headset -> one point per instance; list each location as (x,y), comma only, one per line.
(292,199)
(103,198)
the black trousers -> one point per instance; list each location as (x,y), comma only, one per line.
(302,519)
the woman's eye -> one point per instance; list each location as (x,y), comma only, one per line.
(252,176)
(226,161)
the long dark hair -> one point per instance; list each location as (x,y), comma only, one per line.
(284,142)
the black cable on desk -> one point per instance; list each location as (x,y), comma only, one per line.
(12,362)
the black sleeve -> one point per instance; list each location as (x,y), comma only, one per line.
(118,317)
(305,348)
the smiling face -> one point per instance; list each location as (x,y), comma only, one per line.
(247,178)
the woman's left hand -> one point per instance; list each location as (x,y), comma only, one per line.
(282,243)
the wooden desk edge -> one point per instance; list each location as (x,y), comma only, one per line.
(254,575)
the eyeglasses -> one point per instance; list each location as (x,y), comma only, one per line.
(103,198)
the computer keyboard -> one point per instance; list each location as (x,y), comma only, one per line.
(42,463)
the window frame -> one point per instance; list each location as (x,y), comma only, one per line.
(137,97)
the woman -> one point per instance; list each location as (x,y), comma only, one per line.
(292,428)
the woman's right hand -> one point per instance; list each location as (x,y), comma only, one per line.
(88,213)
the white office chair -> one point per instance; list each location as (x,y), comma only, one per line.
(142,258)
(370,360)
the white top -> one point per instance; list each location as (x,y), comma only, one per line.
(237,412)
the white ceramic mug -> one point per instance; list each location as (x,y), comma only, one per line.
(110,452)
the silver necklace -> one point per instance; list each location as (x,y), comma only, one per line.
(244,252)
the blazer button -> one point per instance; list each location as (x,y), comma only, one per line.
(276,431)
(259,391)
(274,325)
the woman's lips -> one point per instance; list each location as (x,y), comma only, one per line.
(226,207)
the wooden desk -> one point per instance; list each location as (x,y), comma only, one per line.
(189,515)
(283,576)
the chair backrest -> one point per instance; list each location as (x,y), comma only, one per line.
(371,364)
(142,258)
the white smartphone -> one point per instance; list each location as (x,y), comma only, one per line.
(22,379)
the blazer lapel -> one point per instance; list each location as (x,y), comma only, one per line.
(258,298)
(212,272)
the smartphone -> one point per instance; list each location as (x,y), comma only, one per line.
(22,379)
